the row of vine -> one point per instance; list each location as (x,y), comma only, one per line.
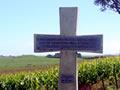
(89,73)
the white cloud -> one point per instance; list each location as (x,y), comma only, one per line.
(111,47)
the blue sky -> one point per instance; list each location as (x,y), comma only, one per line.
(20,19)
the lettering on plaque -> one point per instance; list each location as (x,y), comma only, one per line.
(89,43)
(67,78)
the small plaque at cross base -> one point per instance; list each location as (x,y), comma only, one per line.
(67,78)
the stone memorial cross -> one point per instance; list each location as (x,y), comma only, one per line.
(68,43)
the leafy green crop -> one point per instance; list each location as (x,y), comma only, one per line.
(89,72)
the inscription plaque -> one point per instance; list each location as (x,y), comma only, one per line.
(87,43)
(67,78)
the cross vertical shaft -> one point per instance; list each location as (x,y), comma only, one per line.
(68,60)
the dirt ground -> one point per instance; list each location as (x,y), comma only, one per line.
(23,69)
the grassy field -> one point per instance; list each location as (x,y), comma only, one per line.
(26,62)
(94,71)
(96,74)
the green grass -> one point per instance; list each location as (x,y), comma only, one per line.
(27,61)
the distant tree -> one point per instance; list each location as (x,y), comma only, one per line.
(49,56)
(57,55)
(79,55)
(109,4)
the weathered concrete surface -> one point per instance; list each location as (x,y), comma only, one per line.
(68,61)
